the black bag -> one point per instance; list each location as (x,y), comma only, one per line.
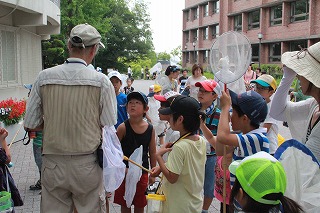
(100,156)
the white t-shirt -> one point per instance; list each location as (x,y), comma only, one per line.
(272,134)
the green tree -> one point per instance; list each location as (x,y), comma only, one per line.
(53,51)
(163,56)
(177,51)
(125,31)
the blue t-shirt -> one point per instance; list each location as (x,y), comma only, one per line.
(122,110)
(249,144)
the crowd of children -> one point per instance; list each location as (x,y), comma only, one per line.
(189,141)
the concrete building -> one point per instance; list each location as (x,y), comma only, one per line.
(23,24)
(272,26)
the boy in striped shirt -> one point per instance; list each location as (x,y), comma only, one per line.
(249,109)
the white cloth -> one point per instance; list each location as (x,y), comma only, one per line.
(272,134)
(153,113)
(298,115)
(133,176)
(193,89)
(113,166)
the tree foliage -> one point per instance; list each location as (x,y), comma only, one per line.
(163,56)
(125,30)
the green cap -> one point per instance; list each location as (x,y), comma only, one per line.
(259,175)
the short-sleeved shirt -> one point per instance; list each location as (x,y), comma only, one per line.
(73,102)
(249,144)
(272,134)
(212,121)
(187,159)
(122,110)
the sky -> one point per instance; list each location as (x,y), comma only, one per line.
(166,24)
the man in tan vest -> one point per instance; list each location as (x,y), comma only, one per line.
(71,103)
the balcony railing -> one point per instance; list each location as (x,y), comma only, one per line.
(56,2)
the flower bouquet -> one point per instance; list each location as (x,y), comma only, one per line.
(12,111)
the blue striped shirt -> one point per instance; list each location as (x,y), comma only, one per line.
(249,144)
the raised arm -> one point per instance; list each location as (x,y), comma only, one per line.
(279,102)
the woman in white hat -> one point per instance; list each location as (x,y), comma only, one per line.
(302,117)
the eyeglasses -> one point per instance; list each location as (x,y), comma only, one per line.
(201,90)
(257,87)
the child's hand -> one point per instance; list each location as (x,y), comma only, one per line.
(164,149)
(155,171)
(225,100)
(3,133)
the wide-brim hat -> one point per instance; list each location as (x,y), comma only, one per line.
(305,62)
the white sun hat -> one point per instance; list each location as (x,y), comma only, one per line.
(305,62)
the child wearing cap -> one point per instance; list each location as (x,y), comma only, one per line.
(168,135)
(249,110)
(116,80)
(133,133)
(266,85)
(184,170)
(260,186)
(209,91)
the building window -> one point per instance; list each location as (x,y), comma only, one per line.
(186,34)
(187,15)
(7,57)
(216,7)
(215,31)
(276,15)
(294,45)
(187,57)
(205,56)
(195,35)
(300,10)
(195,13)
(238,23)
(275,52)
(206,10)
(254,20)
(255,52)
(205,33)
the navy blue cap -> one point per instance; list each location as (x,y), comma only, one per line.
(251,104)
(137,95)
(183,105)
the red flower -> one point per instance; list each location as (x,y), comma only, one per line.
(12,111)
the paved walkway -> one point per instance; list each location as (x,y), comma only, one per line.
(25,174)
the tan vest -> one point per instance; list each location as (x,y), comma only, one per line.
(71,119)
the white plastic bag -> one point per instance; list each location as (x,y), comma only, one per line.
(133,176)
(113,166)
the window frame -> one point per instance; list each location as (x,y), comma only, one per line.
(297,17)
(253,24)
(272,56)
(278,20)
(236,19)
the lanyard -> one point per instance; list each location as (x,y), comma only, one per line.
(75,62)
(182,137)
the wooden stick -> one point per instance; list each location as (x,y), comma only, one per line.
(138,165)
(15,135)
